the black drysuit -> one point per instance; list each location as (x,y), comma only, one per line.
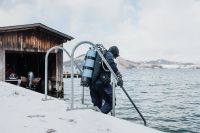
(102,90)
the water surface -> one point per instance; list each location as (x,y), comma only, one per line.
(169,99)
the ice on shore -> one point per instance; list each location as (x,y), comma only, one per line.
(24,111)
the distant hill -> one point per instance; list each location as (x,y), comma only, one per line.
(166,62)
(160,63)
(79,60)
(123,63)
(127,64)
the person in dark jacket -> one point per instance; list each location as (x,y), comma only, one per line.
(101,90)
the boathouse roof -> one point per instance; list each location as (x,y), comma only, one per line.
(37,26)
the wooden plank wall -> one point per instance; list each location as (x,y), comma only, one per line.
(29,41)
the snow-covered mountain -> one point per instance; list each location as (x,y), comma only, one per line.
(161,63)
(123,63)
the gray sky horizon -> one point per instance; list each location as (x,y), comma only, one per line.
(142,29)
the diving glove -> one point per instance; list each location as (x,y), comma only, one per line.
(120,81)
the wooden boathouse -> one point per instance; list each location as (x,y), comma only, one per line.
(23,49)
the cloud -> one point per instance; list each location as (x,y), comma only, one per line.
(165,29)
(173,27)
(142,29)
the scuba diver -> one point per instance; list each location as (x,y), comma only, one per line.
(100,87)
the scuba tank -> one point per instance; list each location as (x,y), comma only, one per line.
(88,67)
(92,66)
(98,63)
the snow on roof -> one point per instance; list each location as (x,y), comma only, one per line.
(24,111)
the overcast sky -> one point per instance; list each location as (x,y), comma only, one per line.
(142,29)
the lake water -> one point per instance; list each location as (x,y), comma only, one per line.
(169,99)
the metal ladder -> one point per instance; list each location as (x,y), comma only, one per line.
(72,75)
(46,65)
(112,72)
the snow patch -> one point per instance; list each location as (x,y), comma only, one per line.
(24,111)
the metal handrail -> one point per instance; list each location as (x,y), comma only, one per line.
(46,66)
(108,66)
(113,98)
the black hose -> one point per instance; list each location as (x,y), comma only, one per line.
(134,105)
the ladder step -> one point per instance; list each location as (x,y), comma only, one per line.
(95,108)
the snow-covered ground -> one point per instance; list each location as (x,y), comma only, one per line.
(24,111)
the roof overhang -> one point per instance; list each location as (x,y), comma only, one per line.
(59,34)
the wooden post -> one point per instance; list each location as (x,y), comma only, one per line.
(2,64)
(59,70)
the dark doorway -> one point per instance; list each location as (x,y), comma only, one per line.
(19,64)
